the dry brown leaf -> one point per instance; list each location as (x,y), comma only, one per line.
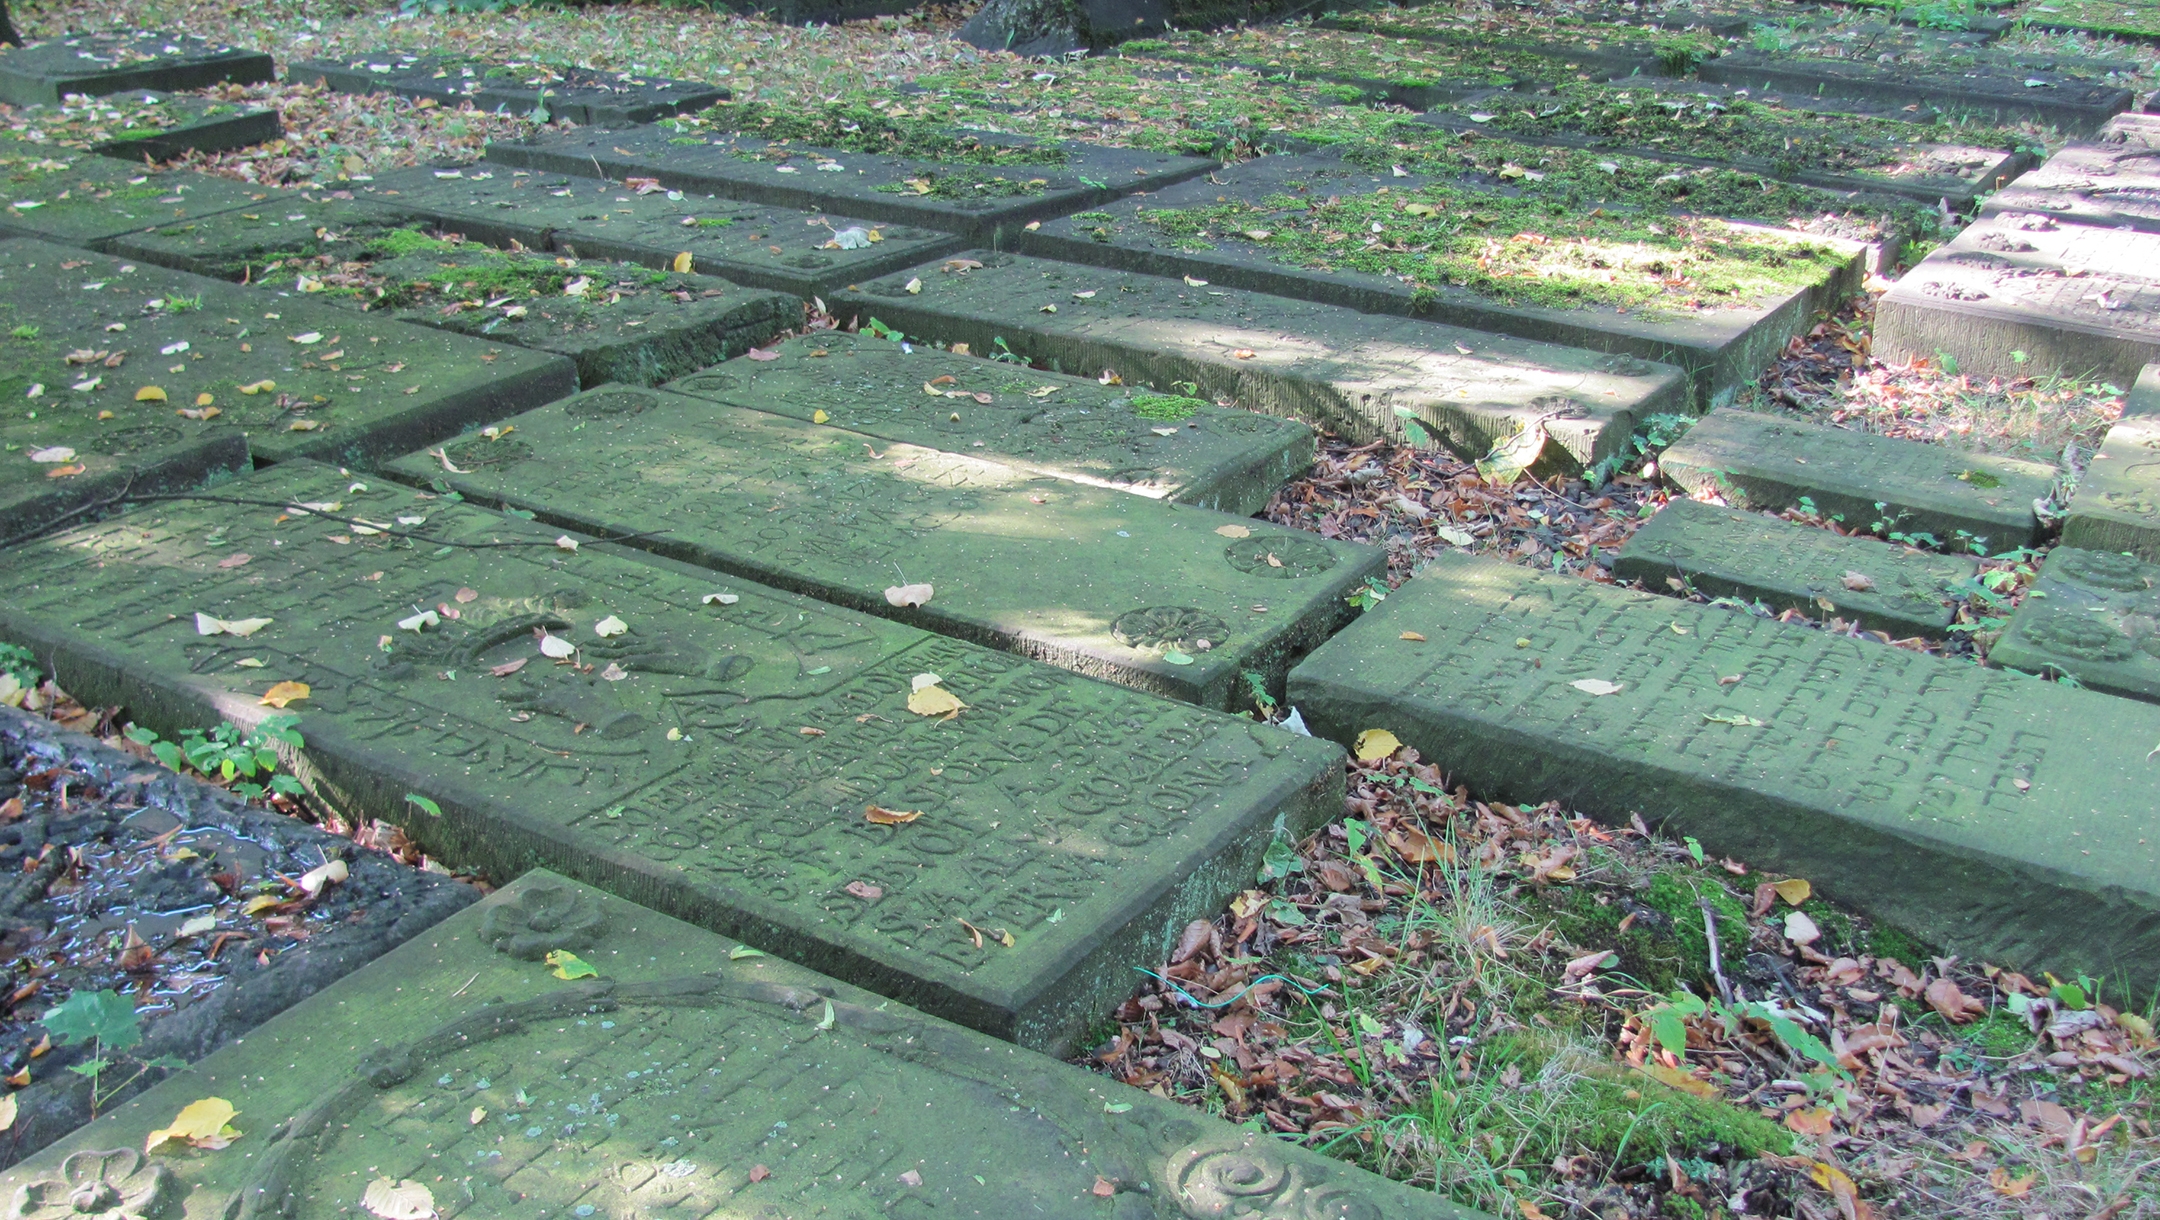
(1956,1007)
(759,1173)
(284,693)
(878,815)
(864,890)
(1813,1120)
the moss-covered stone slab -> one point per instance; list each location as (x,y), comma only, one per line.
(1717,298)
(1179,601)
(2020,295)
(128,354)
(143,124)
(715,757)
(2092,615)
(1023,182)
(87,200)
(279,236)
(1960,501)
(2001,816)
(562,92)
(2117,504)
(1728,553)
(1352,372)
(2060,99)
(1163,446)
(680,1079)
(806,253)
(2111,180)
(96,64)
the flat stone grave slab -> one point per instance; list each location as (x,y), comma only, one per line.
(1702,124)
(1166,598)
(1303,227)
(704,1083)
(2112,181)
(563,92)
(1962,501)
(1029,182)
(284,235)
(142,124)
(133,355)
(1331,365)
(616,321)
(1728,553)
(2117,504)
(752,244)
(96,64)
(155,852)
(87,200)
(2093,615)
(2064,100)
(2000,816)
(2024,295)
(714,757)
(1163,446)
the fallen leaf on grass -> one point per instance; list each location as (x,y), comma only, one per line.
(909,595)
(1840,1187)
(404,1200)
(1675,1078)
(1375,744)
(1597,686)
(568,965)
(1589,963)
(285,692)
(2007,1186)
(204,1124)
(1794,890)
(878,815)
(1956,1007)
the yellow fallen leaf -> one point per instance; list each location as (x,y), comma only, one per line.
(1234,531)
(934,700)
(1412,635)
(568,965)
(260,902)
(149,393)
(7,1111)
(819,417)
(258,387)
(285,692)
(204,400)
(1841,1187)
(1675,1078)
(682,263)
(879,815)
(1794,890)
(205,1124)
(478,1115)
(1375,744)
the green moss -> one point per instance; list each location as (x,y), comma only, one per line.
(1166,407)
(2000,1034)
(1886,940)
(399,243)
(856,126)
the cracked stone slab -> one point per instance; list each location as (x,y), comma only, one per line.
(582,96)
(140,356)
(2075,300)
(1999,815)
(1357,373)
(96,64)
(1165,447)
(1765,462)
(1721,344)
(2094,615)
(714,758)
(1166,598)
(682,1079)
(1728,553)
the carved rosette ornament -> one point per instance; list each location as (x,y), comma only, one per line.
(544,918)
(1254,1183)
(121,1184)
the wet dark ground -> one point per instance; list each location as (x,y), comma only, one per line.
(118,874)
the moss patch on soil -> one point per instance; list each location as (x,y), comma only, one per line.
(863,127)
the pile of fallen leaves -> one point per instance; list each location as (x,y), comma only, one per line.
(330,137)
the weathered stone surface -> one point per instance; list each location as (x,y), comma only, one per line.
(143,123)
(243,243)
(679,1081)
(2066,101)
(2094,615)
(2117,505)
(87,200)
(563,92)
(96,64)
(162,353)
(616,321)
(1071,428)
(113,808)
(2004,817)
(2111,181)
(2074,300)
(1351,372)
(978,201)
(1721,342)
(753,244)
(1115,586)
(671,763)
(1728,553)
(1765,462)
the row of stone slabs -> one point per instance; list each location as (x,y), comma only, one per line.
(683,1080)
(561,93)
(99,64)
(2061,275)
